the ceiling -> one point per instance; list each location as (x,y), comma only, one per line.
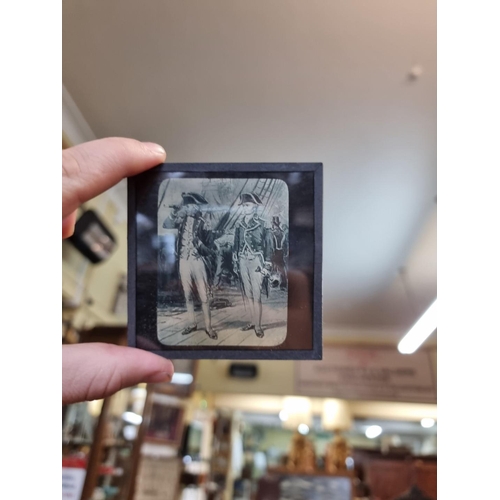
(287,80)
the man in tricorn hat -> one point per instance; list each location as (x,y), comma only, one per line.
(193,251)
(252,251)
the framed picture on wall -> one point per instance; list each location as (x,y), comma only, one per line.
(165,422)
(225,261)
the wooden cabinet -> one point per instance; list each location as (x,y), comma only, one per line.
(389,478)
(426,477)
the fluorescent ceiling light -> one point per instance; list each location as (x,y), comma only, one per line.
(420,331)
(182,378)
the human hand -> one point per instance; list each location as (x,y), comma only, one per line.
(94,371)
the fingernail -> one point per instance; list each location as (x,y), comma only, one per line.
(155,148)
(159,377)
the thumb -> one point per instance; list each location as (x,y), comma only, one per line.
(94,370)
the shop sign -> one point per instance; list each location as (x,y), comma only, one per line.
(370,374)
(73,478)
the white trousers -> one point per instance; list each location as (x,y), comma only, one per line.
(193,271)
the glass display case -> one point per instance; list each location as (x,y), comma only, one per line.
(102,439)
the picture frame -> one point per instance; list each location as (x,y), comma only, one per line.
(225,260)
(165,422)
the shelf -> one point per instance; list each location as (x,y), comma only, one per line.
(318,472)
(77,442)
(110,470)
(117,444)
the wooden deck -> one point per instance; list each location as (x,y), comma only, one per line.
(227,322)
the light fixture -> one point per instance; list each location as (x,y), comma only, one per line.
(336,417)
(420,331)
(296,415)
(182,378)
(302,455)
(373,431)
(303,429)
(297,411)
(132,418)
(283,415)
(427,423)
(130,432)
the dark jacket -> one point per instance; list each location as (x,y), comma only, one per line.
(254,237)
(202,239)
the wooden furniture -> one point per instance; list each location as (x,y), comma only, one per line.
(391,475)
(156,476)
(280,482)
(389,478)
(220,463)
(426,477)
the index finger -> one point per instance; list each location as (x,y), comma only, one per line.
(91,168)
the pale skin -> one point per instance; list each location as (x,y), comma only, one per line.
(248,210)
(95,370)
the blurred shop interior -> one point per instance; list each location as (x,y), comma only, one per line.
(349,84)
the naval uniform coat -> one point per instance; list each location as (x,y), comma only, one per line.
(253,238)
(252,249)
(202,240)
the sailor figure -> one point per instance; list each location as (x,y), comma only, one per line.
(252,251)
(193,251)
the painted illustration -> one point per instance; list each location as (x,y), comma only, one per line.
(223,255)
